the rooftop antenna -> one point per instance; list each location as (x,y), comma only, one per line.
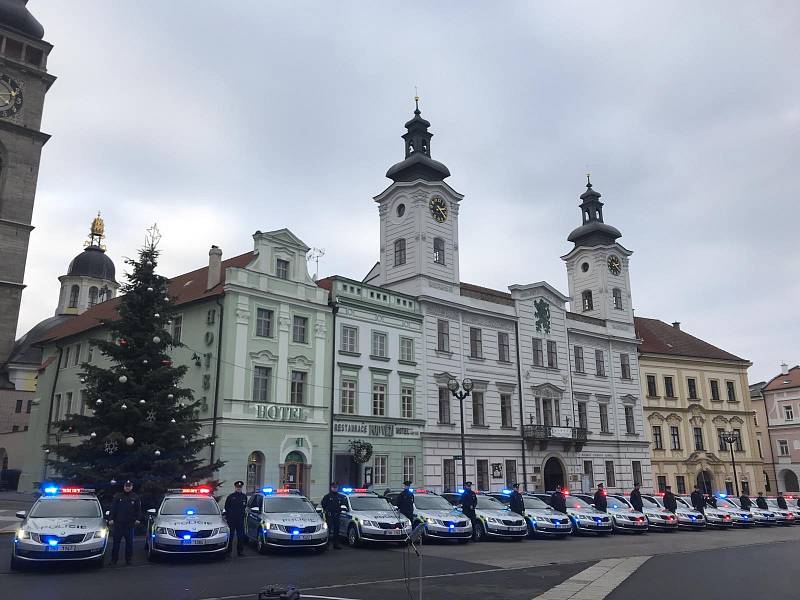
(315,254)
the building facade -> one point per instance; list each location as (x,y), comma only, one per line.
(763,438)
(693,394)
(782,407)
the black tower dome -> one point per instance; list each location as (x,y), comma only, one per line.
(418,163)
(92,262)
(593,232)
(14,15)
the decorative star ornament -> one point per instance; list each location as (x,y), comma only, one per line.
(110,447)
(151,416)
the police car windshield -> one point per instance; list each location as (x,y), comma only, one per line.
(370,503)
(84,508)
(575,502)
(182,506)
(535,503)
(724,502)
(682,502)
(618,502)
(489,503)
(424,502)
(287,504)
(650,502)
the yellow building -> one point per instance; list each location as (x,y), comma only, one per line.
(693,394)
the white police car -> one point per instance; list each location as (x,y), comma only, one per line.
(284,518)
(493,518)
(687,516)
(658,517)
(585,518)
(764,518)
(623,515)
(64,524)
(541,518)
(188,521)
(783,516)
(715,518)
(739,517)
(371,518)
(438,517)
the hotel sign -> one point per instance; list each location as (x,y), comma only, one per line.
(381,430)
(280,412)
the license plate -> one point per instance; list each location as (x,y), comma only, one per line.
(61,548)
(192,542)
(392,532)
(304,536)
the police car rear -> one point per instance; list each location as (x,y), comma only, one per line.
(783,516)
(739,517)
(659,518)
(541,518)
(585,518)
(188,521)
(371,518)
(438,517)
(64,524)
(284,518)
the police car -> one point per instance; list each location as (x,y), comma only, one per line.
(64,524)
(623,515)
(493,518)
(188,521)
(783,516)
(585,518)
(371,518)
(282,518)
(716,518)
(739,517)
(687,516)
(658,517)
(438,517)
(764,518)
(542,519)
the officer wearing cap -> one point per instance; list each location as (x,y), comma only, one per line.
(515,501)
(405,501)
(332,507)
(469,500)
(125,514)
(235,504)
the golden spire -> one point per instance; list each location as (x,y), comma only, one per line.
(97,231)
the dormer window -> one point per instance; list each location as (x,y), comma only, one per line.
(92,296)
(73,296)
(588,305)
(399,252)
(438,251)
(282,269)
(617,293)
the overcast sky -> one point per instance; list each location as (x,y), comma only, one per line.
(217,118)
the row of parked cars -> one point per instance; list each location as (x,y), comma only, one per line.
(67,524)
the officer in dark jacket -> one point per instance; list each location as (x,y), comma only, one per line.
(405,501)
(332,507)
(515,501)
(711,501)
(761,502)
(698,503)
(600,500)
(125,514)
(745,502)
(636,498)
(670,503)
(235,504)
(558,500)
(469,500)
(782,501)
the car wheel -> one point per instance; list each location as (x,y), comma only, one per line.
(261,543)
(480,531)
(352,536)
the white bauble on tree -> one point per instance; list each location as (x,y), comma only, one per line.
(156,315)
(141,401)
(129,441)
(123,379)
(172,420)
(93,435)
(156,339)
(149,289)
(157,453)
(124,406)
(98,401)
(170,396)
(183,477)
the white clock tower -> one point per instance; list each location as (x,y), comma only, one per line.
(597,267)
(419,218)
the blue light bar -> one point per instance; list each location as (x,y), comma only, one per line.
(186,536)
(190,511)
(51,489)
(53,542)
(267,490)
(722,495)
(505,492)
(460,490)
(347,490)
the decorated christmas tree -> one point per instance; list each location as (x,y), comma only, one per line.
(143,426)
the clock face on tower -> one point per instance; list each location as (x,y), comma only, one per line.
(438,209)
(614,265)
(10,96)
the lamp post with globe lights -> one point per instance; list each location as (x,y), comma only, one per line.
(730,438)
(461,390)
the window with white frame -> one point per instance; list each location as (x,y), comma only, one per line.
(282,269)
(407,349)
(409,468)
(588,304)
(379,399)
(65,358)
(503,349)
(347,404)
(264,320)
(788,412)
(438,251)
(599,363)
(579,366)
(68,410)
(76,357)
(298,392)
(617,294)
(604,417)
(177,328)
(783,447)
(552,355)
(443,335)
(475,343)
(444,405)
(506,418)
(538,353)
(478,417)
(630,423)
(379,344)
(299,329)
(261,383)
(399,252)
(349,339)
(625,364)
(407,402)
(611,480)
(379,465)
(89,353)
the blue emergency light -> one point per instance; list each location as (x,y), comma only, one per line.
(53,542)
(505,492)
(460,490)
(186,536)
(267,490)
(51,489)
(347,490)
(295,532)
(190,511)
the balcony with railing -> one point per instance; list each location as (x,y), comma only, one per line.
(543,435)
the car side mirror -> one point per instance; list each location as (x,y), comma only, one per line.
(319,510)
(255,509)
(108,513)
(21,514)
(223,512)
(151,511)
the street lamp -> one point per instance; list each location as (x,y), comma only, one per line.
(731,438)
(466,385)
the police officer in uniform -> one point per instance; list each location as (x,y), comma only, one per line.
(600,500)
(125,514)
(469,500)
(698,503)
(235,504)
(745,502)
(516,502)
(636,498)
(761,502)
(332,507)
(670,503)
(782,501)
(558,500)
(405,501)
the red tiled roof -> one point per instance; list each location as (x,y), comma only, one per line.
(662,338)
(183,289)
(777,382)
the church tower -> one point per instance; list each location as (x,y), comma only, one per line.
(597,266)
(419,218)
(24,81)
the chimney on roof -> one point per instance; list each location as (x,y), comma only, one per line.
(676,324)
(784,369)
(214,267)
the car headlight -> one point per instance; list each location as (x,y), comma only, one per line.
(165,531)
(101,534)
(324,526)
(492,520)
(542,519)
(266,525)
(224,529)
(406,523)
(368,523)
(430,521)
(23,534)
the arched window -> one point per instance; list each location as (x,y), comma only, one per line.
(438,250)
(587,300)
(399,252)
(73,296)
(92,296)
(255,471)
(617,298)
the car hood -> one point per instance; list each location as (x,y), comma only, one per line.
(292,518)
(688,512)
(762,513)
(626,511)
(379,515)
(441,514)
(497,514)
(189,523)
(63,525)
(586,511)
(543,512)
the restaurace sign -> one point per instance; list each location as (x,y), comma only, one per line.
(384,430)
